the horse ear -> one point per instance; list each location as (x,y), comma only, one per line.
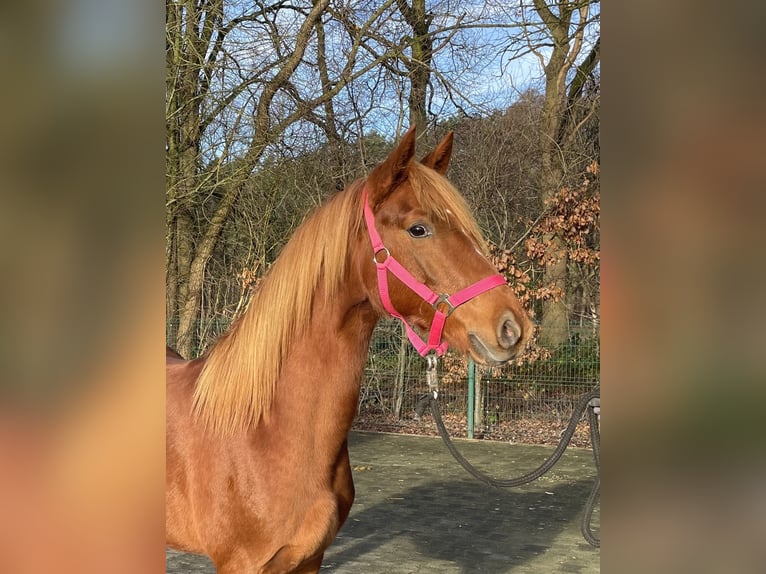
(439,158)
(393,171)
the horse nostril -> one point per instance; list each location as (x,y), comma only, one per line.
(508,334)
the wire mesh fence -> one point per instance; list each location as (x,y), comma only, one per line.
(544,385)
(540,390)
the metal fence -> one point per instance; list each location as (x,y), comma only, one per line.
(544,385)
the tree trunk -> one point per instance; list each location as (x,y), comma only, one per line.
(338,154)
(566,46)
(419,63)
(190,306)
(554,326)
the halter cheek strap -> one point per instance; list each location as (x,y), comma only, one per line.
(443,304)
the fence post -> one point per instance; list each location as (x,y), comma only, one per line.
(471,399)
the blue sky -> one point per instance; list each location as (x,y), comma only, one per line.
(487,75)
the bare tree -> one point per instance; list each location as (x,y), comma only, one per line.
(238,76)
(564,36)
(250,84)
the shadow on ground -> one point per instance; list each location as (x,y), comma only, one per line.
(417,511)
(455,526)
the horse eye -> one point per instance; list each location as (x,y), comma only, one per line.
(419,230)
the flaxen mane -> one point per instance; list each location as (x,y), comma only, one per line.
(238,381)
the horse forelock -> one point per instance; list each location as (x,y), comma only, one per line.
(438,196)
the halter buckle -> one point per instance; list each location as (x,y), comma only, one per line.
(444,299)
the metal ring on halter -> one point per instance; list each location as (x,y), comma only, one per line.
(444,299)
(381,250)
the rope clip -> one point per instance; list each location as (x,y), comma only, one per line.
(595,404)
(432,377)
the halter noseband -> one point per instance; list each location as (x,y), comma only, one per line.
(443,304)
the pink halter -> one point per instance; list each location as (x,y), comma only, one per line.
(451,302)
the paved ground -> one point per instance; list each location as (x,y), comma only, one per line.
(418,512)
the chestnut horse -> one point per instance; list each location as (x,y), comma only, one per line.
(258,474)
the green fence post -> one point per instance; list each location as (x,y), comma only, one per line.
(471,398)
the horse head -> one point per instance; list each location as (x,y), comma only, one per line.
(416,220)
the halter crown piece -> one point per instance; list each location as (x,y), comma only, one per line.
(443,304)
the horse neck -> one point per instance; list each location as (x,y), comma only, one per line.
(319,386)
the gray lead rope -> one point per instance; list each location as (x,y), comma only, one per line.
(589,401)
